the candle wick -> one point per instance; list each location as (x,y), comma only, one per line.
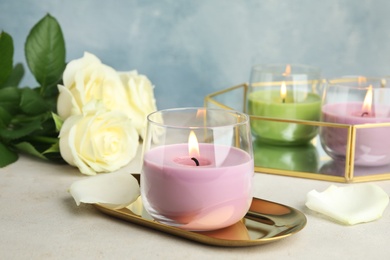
(195,160)
(364,114)
(283,100)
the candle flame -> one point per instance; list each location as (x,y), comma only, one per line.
(193,145)
(283,91)
(361,80)
(367,101)
(383,83)
(201,112)
(287,72)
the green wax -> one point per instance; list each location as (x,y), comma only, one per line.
(268,103)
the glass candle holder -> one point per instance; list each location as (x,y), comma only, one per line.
(286,92)
(357,101)
(197,168)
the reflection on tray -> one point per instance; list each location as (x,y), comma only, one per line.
(265,222)
(238,231)
(337,168)
(293,158)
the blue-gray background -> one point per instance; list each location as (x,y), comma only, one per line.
(192,48)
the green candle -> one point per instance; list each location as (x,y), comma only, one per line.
(296,105)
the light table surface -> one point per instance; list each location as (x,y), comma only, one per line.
(40,220)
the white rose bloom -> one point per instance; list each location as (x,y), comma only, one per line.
(87,79)
(140,94)
(98,140)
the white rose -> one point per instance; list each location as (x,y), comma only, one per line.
(87,79)
(140,94)
(98,140)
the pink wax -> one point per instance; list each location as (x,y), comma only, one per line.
(372,147)
(191,161)
(207,197)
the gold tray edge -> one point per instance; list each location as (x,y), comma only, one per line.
(197,236)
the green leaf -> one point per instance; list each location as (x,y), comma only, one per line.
(16,76)
(57,121)
(6,56)
(10,99)
(45,52)
(55,148)
(32,103)
(5,118)
(7,156)
(29,149)
(21,130)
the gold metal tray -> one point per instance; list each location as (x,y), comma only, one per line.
(265,222)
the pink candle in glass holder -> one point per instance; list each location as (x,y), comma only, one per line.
(208,190)
(372,145)
(198,186)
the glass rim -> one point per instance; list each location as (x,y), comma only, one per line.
(374,88)
(244,118)
(310,68)
(344,81)
(357,88)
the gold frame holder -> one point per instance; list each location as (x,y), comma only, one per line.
(234,98)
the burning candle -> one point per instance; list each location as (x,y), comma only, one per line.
(193,158)
(280,104)
(372,145)
(285,95)
(198,186)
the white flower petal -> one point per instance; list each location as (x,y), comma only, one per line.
(350,205)
(74,66)
(140,94)
(64,102)
(98,140)
(137,207)
(114,190)
(67,131)
(87,79)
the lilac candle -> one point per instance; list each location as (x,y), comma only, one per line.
(213,194)
(372,145)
